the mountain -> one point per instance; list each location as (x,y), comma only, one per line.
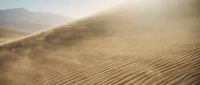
(126,45)
(25,20)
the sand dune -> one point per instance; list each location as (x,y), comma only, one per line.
(121,46)
(6,35)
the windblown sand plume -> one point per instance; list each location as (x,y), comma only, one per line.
(127,45)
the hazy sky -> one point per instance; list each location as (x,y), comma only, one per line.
(72,8)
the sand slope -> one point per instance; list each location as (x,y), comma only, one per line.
(118,47)
(6,35)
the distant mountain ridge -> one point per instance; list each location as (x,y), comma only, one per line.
(25,20)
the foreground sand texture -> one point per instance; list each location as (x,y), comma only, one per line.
(125,46)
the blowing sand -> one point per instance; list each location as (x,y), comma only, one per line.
(118,47)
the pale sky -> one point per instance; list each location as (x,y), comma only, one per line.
(72,8)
